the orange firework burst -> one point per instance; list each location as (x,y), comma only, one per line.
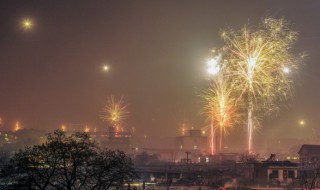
(115,111)
(220,107)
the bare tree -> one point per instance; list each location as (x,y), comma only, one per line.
(309,175)
(111,169)
(70,162)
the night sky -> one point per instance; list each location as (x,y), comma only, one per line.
(156,50)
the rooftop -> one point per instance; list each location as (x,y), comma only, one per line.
(309,149)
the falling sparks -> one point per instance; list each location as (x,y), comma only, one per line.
(115,111)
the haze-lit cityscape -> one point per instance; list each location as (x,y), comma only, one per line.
(159,94)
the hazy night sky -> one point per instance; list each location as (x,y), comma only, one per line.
(156,51)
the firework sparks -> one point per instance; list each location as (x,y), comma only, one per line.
(260,58)
(115,111)
(220,108)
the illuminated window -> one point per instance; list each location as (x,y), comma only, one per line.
(207,159)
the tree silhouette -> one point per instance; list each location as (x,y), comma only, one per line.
(69,162)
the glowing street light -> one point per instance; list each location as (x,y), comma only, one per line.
(17,126)
(87,129)
(63,128)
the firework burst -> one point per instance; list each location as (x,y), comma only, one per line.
(115,111)
(221,108)
(259,60)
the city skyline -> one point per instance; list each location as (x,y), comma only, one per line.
(54,72)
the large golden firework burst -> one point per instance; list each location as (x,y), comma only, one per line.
(115,111)
(259,60)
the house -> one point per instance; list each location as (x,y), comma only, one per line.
(309,156)
(274,172)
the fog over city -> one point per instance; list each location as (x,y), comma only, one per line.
(52,73)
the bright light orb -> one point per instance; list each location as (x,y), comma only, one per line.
(63,128)
(213,65)
(286,70)
(87,129)
(105,68)
(302,123)
(17,126)
(252,62)
(27,24)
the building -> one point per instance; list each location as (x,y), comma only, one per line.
(114,139)
(190,146)
(275,172)
(309,156)
(194,141)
